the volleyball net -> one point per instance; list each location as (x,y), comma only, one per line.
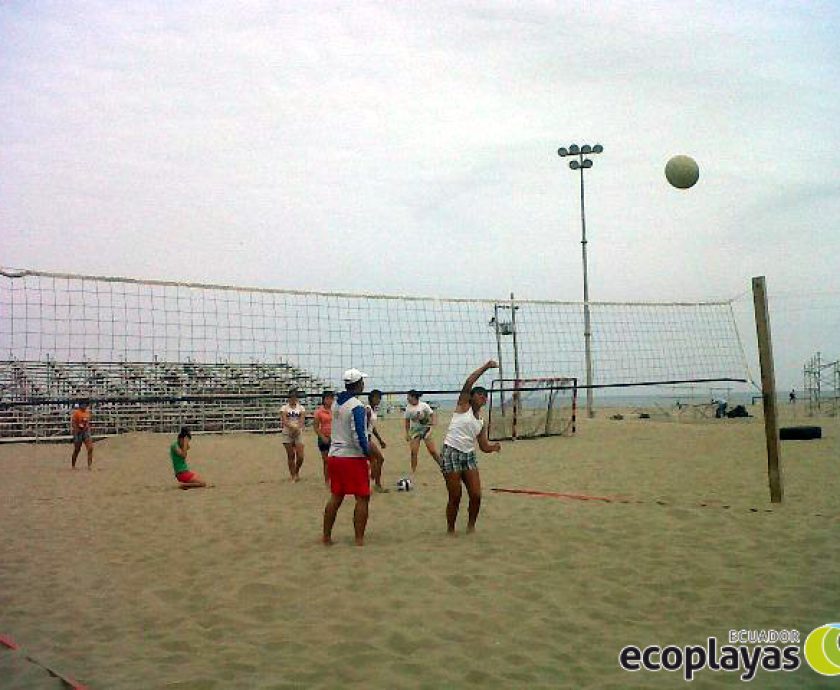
(191,340)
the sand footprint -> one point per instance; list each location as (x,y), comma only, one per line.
(169,595)
(259,593)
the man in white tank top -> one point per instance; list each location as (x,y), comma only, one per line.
(457,459)
(348,465)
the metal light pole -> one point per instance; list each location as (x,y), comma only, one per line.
(583,164)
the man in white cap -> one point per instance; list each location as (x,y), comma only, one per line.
(348,461)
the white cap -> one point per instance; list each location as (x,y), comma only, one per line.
(353,375)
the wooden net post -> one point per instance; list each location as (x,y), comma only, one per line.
(768,388)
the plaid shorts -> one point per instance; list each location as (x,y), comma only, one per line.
(454,460)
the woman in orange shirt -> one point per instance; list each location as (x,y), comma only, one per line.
(322,424)
(80,428)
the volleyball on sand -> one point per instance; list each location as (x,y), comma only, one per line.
(682,172)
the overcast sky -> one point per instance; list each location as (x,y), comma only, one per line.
(410,148)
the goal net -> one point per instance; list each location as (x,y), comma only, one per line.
(532,407)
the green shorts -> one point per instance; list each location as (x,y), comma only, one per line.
(421,432)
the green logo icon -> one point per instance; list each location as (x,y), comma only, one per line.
(822,650)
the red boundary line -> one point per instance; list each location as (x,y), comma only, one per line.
(623,499)
(72,684)
(8,642)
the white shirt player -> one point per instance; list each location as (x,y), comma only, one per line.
(345,442)
(464,428)
(419,415)
(371,419)
(293,415)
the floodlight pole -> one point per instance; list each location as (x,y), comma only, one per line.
(587,328)
(582,164)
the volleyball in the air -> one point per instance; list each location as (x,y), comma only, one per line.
(404,484)
(682,172)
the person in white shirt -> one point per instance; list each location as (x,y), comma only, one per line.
(419,420)
(376,457)
(292,419)
(457,460)
(348,461)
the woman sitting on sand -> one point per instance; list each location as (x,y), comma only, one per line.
(178,453)
(457,459)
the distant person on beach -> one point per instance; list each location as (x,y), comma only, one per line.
(457,459)
(178,454)
(292,420)
(419,420)
(792,397)
(377,459)
(322,425)
(349,465)
(720,409)
(80,428)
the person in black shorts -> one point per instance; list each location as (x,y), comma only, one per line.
(322,424)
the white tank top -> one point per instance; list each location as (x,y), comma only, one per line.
(344,443)
(464,428)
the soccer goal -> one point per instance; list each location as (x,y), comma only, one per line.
(531,408)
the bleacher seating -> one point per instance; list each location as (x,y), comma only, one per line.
(146,396)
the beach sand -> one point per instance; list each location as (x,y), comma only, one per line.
(119,579)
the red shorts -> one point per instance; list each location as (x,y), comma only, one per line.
(185,476)
(349,476)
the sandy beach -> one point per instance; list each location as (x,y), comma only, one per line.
(120,580)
